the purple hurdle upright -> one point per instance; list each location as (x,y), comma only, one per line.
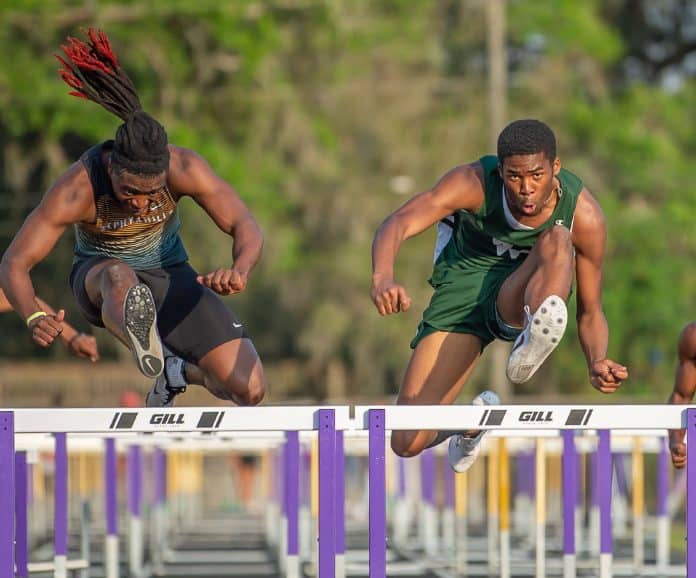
(135,499)
(691,494)
(377,494)
(60,512)
(570,463)
(111,562)
(291,502)
(21,527)
(428,526)
(327,493)
(7,488)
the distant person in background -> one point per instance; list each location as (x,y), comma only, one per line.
(130,272)
(130,398)
(244,467)
(684,388)
(521,228)
(81,344)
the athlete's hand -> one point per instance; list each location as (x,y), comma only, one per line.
(389,297)
(45,329)
(84,345)
(224,281)
(607,375)
(678,451)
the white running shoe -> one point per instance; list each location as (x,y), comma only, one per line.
(463,450)
(542,333)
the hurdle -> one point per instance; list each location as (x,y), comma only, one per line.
(325,420)
(518,421)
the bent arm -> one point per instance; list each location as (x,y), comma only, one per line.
(589,239)
(193,176)
(66,202)
(459,189)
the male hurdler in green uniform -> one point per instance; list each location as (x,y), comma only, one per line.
(514,230)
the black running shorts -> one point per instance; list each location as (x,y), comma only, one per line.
(192,320)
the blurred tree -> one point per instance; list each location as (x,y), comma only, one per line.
(326,115)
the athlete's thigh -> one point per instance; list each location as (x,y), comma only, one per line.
(510,299)
(93,271)
(439,367)
(235,363)
(192,320)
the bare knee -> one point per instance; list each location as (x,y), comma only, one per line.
(405,444)
(254,394)
(246,393)
(117,277)
(555,243)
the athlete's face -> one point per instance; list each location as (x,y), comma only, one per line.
(136,193)
(529,182)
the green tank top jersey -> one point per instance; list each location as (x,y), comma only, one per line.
(486,247)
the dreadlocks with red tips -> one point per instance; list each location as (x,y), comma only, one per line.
(93,72)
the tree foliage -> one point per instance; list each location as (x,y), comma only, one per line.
(327,115)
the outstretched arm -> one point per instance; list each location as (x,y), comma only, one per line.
(191,175)
(589,239)
(460,189)
(684,388)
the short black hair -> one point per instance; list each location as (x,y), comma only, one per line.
(526,137)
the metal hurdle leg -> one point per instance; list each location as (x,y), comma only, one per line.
(340,507)
(136,538)
(540,497)
(111,563)
(449,530)
(429,526)
(638,498)
(21,511)
(377,489)
(327,493)
(691,494)
(291,501)
(7,491)
(159,467)
(662,546)
(504,507)
(60,513)
(604,470)
(570,463)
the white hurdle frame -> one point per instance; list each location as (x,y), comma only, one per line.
(327,420)
(518,419)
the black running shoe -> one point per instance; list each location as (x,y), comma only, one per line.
(140,316)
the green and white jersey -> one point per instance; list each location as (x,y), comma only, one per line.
(491,238)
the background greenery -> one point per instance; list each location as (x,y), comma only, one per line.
(327,115)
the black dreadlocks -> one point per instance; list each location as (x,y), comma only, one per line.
(92,70)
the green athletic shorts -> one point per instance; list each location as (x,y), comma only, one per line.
(464,302)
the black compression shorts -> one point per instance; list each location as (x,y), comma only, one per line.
(192,320)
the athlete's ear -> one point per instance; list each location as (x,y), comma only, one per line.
(500,170)
(556,165)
